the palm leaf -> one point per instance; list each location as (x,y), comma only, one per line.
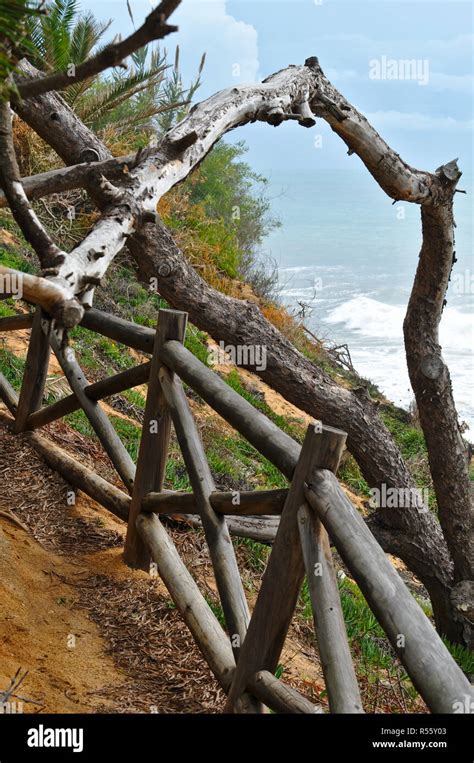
(85,35)
(142,95)
(121,86)
(14,40)
(142,119)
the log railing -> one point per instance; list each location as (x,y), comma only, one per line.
(298,521)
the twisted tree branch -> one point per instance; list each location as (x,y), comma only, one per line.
(10,181)
(77,176)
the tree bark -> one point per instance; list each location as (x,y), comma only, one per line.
(431,383)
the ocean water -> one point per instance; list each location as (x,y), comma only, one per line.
(350,254)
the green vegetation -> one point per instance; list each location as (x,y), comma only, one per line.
(410,440)
(196,342)
(6,308)
(220,216)
(134,397)
(366,637)
(370,648)
(216,609)
(293,427)
(279,671)
(15,260)
(464,657)
(12,367)
(116,353)
(238,465)
(129,434)
(349,472)
(14,18)
(176,476)
(79,421)
(84,343)
(256,554)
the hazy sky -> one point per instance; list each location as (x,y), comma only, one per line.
(428,120)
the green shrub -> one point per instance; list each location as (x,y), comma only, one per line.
(129,434)
(12,367)
(15,260)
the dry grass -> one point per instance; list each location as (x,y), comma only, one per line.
(37,496)
(148,640)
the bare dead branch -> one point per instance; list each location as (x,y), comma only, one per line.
(10,180)
(430,379)
(50,293)
(299,90)
(54,294)
(76,176)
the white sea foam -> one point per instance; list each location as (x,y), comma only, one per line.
(365,259)
(371,318)
(367,321)
(312,269)
(302,269)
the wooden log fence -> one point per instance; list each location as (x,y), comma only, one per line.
(154,440)
(99,420)
(237,503)
(298,521)
(36,369)
(125,380)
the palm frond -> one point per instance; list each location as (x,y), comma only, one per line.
(142,119)
(85,35)
(57,26)
(142,95)
(174,90)
(110,107)
(108,92)
(62,36)
(14,40)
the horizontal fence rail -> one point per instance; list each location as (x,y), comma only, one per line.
(237,503)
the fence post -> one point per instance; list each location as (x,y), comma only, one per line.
(36,369)
(100,422)
(336,660)
(434,673)
(221,550)
(283,577)
(154,441)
